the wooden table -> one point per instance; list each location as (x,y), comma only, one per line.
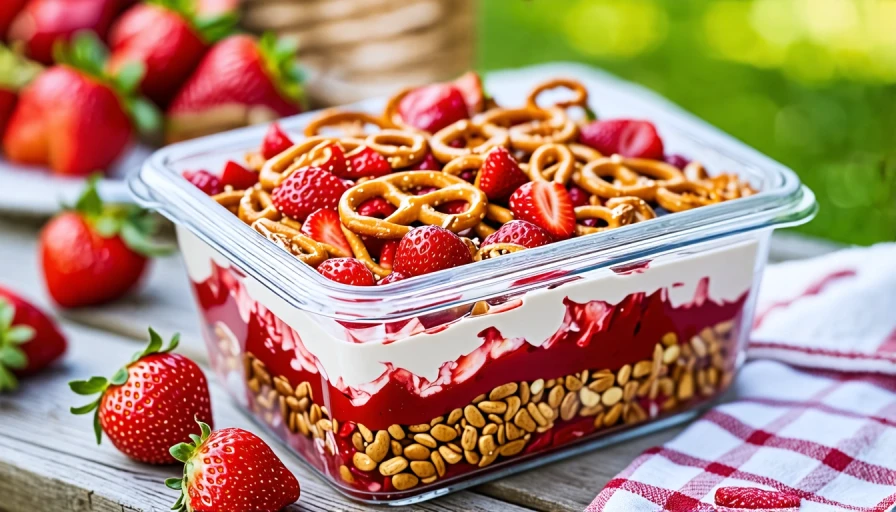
(49,459)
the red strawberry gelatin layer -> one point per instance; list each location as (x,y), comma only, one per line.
(608,366)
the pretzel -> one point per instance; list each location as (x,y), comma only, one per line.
(278,168)
(628,177)
(579,99)
(555,128)
(493,213)
(621,215)
(229,199)
(552,162)
(396,188)
(401,149)
(476,140)
(302,247)
(685,195)
(495,250)
(642,210)
(457,166)
(727,186)
(349,123)
(256,204)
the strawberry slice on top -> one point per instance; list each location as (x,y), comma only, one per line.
(547,205)
(433,107)
(238,176)
(500,175)
(275,141)
(366,163)
(626,137)
(306,190)
(324,226)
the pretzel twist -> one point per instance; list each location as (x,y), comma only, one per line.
(494,213)
(685,195)
(256,204)
(492,251)
(474,139)
(397,190)
(401,148)
(229,199)
(291,240)
(347,123)
(621,215)
(631,177)
(278,168)
(554,162)
(579,99)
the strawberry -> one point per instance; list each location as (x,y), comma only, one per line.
(429,163)
(366,163)
(347,271)
(331,158)
(149,404)
(470,86)
(275,142)
(429,249)
(519,232)
(205,181)
(324,226)
(238,176)
(307,190)
(15,73)
(394,277)
(376,207)
(500,174)
(231,470)
(578,196)
(626,137)
(95,253)
(678,161)
(8,11)
(755,499)
(387,253)
(29,340)
(44,22)
(64,112)
(454,207)
(547,205)
(241,80)
(433,107)
(169,38)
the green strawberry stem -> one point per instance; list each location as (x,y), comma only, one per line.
(99,385)
(135,225)
(211,28)
(15,70)
(12,357)
(590,114)
(282,64)
(89,55)
(184,452)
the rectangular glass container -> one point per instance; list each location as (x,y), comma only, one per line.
(402,393)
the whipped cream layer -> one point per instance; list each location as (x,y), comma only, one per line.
(728,272)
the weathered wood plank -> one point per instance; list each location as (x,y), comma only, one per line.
(48,459)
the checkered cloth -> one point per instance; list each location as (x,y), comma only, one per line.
(823,436)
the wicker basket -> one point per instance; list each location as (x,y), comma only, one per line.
(356,49)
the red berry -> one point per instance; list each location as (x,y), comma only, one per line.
(376,207)
(29,339)
(470,85)
(367,163)
(394,277)
(755,499)
(347,271)
(307,190)
(275,142)
(626,137)
(231,470)
(429,163)
(238,176)
(150,404)
(454,207)
(519,232)
(677,161)
(429,249)
(547,205)
(205,181)
(331,158)
(387,253)
(324,226)
(433,107)
(500,175)
(578,196)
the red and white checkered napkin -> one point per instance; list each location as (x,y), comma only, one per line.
(820,438)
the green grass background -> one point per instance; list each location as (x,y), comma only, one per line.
(812,83)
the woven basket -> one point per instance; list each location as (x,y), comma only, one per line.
(356,49)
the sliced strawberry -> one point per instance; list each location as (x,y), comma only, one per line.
(470,85)
(626,137)
(205,181)
(387,253)
(394,277)
(238,176)
(429,163)
(547,205)
(367,163)
(755,499)
(376,207)
(454,207)
(332,158)
(433,107)
(307,190)
(347,271)
(519,232)
(578,196)
(324,226)
(500,174)
(429,249)
(275,142)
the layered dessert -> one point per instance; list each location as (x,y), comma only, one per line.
(445,178)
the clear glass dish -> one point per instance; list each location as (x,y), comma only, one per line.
(401,393)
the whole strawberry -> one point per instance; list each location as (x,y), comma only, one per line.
(433,107)
(519,232)
(429,249)
(43,23)
(307,190)
(231,470)
(500,175)
(170,38)
(63,114)
(95,253)
(149,404)
(240,81)
(29,340)
(626,137)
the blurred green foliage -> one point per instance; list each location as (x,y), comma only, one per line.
(812,83)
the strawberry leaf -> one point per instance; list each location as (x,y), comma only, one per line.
(182,451)
(15,70)
(128,77)
(146,117)
(7,380)
(216,27)
(7,313)
(84,409)
(90,203)
(20,334)
(11,337)
(590,114)
(13,357)
(174,483)
(282,64)
(91,386)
